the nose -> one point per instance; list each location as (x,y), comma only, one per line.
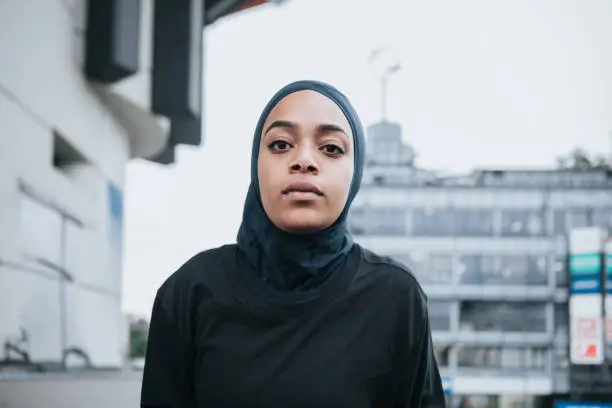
(304,163)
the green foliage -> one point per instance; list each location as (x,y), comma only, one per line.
(578,159)
(139,332)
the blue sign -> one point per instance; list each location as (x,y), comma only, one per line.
(572,404)
(447,385)
(585,274)
(585,284)
(585,264)
(609,274)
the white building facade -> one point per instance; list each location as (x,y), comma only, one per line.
(84,87)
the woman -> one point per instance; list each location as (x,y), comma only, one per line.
(296,314)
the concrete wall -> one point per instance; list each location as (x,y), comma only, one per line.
(117,390)
(61,225)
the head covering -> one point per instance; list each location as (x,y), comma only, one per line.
(292,262)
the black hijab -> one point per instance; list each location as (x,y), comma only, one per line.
(291,262)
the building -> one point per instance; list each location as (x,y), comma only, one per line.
(85,86)
(490,250)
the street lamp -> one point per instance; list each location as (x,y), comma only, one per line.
(384,62)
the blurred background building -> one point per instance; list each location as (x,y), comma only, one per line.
(490,250)
(85,86)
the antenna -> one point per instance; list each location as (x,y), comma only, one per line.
(385,63)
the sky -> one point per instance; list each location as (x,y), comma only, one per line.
(506,83)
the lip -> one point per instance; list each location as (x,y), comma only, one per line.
(302,188)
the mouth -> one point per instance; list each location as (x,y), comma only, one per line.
(300,189)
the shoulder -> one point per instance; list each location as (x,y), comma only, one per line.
(402,285)
(199,273)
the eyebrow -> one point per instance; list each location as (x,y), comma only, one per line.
(322,128)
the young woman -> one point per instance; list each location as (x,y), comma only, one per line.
(296,314)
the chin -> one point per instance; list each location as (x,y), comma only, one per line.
(303,221)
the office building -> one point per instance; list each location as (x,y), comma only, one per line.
(490,250)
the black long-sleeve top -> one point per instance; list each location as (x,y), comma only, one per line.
(219,337)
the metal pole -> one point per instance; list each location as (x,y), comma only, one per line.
(384,97)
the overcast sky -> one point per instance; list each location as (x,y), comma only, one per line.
(505,83)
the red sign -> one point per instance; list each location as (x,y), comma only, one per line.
(591,351)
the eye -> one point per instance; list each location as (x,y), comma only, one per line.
(332,150)
(279,146)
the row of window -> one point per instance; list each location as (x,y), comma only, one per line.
(473,222)
(504,358)
(474,269)
(526,317)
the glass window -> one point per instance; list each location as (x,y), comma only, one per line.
(503,270)
(560,269)
(522,223)
(579,218)
(502,316)
(473,268)
(521,270)
(384,221)
(427,267)
(441,352)
(473,222)
(559,227)
(432,222)
(561,318)
(512,358)
(439,315)
(602,217)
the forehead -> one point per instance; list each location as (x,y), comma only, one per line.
(309,108)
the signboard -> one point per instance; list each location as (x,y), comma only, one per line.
(575,404)
(587,320)
(608,266)
(608,298)
(587,345)
(447,385)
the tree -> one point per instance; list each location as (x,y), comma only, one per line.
(139,333)
(578,159)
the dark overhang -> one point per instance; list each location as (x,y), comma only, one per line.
(112,40)
(177,67)
(112,54)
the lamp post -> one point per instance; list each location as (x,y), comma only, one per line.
(384,63)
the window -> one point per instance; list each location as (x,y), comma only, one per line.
(427,267)
(602,217)
(384,221)
(579,218)
(473,222)
(561,318)
(510,358)
(502,270)
(502,316)
(441,353)
(433,222)
(473,269)
(522,270)
(560,269)
(439,315)
(559,227)
(522,223)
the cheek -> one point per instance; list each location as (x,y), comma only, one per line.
(345,177)
(267,180)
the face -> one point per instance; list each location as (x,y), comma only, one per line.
(305,162)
